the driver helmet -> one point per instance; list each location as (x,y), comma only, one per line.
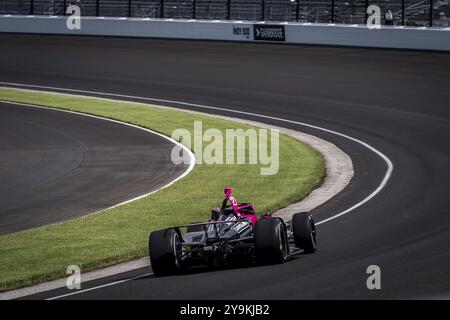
(228,191)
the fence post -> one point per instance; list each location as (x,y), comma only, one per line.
(228,9)
(161,9)
(333,5)
(98,8)
(263,18)
(129,8)
(32,7)
(193,9)
(64,7)
(297,11)
(403,12)
(366,14)
(431,13)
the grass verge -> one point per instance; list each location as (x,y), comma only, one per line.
(120,234)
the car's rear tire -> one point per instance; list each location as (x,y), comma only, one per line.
(304,232)
(164,250)
(193,228)
(271,242)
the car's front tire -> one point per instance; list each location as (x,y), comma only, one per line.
(304,232)
(271,242)
(165,252)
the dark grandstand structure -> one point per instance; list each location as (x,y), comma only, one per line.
(405,12)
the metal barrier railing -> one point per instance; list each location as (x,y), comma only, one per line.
(405,12)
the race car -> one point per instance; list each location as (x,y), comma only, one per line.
(234,233)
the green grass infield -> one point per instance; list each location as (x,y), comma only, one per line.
(116,235)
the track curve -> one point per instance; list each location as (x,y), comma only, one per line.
(56,165)
(397,101)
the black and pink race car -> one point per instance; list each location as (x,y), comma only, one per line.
(234,233)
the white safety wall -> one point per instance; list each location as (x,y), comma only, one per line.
(347,35)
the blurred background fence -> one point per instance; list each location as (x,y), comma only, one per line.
(405,12)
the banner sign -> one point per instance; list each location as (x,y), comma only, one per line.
(242,32)
(267,32)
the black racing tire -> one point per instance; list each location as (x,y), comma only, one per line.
(271,242)
(164,248)
(191,228)
(305,236)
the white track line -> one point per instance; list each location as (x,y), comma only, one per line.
(98,287)
(390,166)
(191,155)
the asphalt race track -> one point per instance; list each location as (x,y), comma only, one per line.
(57,165)
(396,101)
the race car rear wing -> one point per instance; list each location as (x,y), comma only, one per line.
(215,223)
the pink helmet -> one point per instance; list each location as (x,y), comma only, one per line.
(228,191)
